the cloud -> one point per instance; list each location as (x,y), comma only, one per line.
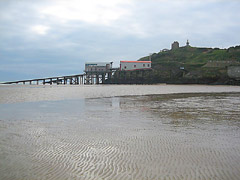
(62,33)
(91,11)
(40,29)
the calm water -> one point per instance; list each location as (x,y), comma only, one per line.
(103,132)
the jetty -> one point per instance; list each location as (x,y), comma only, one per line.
(87,78)
(97,73)
(72,79)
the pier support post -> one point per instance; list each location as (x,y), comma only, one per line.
(97,79)
(131,77)
(143,74)
(103,78)
(109,77)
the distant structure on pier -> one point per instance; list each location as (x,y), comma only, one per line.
(175,45)
(98,67)
(98,72)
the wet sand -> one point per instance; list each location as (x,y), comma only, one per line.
(166,136)
(33,93)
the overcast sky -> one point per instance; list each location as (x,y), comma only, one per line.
(56,37)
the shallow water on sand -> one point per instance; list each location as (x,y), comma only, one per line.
(33,93)
(171,136)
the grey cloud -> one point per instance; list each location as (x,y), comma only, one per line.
(148,27)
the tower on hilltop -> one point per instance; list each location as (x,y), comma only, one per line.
(175,45)
(187,43)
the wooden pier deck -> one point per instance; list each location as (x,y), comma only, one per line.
(92,77)
(72,79)
(85,78)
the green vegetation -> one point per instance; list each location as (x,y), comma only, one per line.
(186,65)
(195,55)
(194,65)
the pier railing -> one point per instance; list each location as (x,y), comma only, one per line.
(72,79)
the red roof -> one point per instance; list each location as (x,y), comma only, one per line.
(136,61)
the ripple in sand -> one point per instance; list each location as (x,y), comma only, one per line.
(127,141)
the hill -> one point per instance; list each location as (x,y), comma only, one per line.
(194,65)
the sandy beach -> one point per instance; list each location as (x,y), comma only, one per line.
(33,93)
(129,132)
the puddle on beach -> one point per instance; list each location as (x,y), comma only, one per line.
(174,136)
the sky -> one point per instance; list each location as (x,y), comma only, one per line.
(56,37)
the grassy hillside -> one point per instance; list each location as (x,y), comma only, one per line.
(194,65)
(186,65)
(193,55)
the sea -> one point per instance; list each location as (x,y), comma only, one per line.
(119,132)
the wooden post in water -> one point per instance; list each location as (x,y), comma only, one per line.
(143,76)
(109,77)
(137,76)
(131,79)
(97,79)
(74,80)
(103,78)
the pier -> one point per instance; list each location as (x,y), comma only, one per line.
(130,72)
(78,79)
(114,76)
(72,79)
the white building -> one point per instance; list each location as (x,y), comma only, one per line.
(134,65)
(98,66)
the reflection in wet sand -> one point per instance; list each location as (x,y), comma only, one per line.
(178,136)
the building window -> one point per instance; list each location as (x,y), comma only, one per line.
(148,65)
(143,65)
(125,67)
(134,65)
